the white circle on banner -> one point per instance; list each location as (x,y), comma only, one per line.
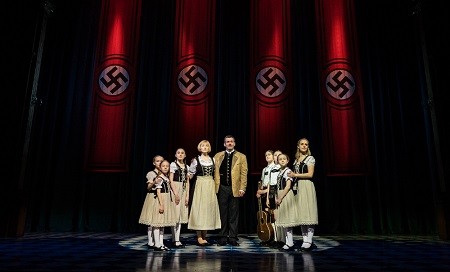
(270,82)
(340,84)
(114,80)
(192,80)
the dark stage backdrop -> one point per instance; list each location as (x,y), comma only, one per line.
(401,58)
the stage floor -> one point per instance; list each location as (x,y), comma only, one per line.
(128,252)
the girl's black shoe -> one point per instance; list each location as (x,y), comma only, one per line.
(162,248)
(287,248)
(178,245)
(306,249)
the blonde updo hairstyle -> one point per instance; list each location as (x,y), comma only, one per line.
(202,143)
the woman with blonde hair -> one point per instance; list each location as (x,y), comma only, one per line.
(306,197)
(204,214)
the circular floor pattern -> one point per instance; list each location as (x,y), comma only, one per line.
(247,244)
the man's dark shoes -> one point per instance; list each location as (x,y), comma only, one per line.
(222,242)
(276,244)
(234,243)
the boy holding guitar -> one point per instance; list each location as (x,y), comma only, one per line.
(266,194)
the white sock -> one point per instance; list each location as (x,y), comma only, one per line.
(305,235)
(281,237)
(289,237)
(156,237)
(176,234)
(274,232)
(309,237)
(310,234)
(150,236)
(161,236)
(174,231)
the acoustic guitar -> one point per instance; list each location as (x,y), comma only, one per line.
(264,228)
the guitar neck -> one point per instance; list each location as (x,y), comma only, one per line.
(259,198)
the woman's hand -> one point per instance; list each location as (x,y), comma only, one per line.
(278,201)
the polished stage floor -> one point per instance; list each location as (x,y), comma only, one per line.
(128,252)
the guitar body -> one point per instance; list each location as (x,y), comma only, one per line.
(264,228)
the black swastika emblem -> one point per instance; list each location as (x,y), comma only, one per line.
(340,84)
(270,81)
(113,80)
(192,80)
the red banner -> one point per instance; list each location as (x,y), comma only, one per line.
(344,125)
(271,111)
(111,118)
(193,77)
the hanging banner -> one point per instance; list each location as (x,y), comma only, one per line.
(111,117)
(344,124)
(191,109)
(271,111)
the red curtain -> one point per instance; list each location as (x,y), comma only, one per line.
(271,111)
(111,118)
(344,125)
(191,109)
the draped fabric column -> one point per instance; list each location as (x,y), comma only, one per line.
(271,111)
(191,108)
(344,124)
(111,118)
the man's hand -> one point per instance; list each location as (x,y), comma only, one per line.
(241,193)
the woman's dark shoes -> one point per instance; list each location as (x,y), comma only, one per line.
(233,243)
